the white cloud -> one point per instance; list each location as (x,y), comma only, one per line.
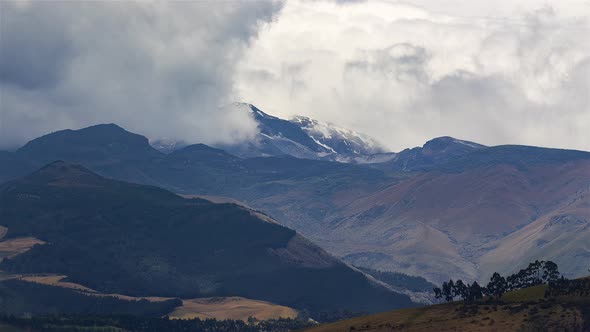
(157,68)
(403,73)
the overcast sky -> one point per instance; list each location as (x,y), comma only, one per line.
(494,72)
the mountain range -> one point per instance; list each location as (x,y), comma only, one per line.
(448,208)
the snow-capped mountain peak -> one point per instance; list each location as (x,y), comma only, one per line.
(300,137)
(339,140)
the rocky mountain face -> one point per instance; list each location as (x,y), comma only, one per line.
(119,237)
(449,208)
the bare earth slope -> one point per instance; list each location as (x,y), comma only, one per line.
(436,221)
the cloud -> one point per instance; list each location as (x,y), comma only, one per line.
(161,69)
(404,74)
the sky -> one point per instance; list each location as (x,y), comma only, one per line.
(501,72)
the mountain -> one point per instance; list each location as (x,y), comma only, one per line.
(105,143)
(448,208)
(561,234)
(433,153)
(107,147)
(119,237)
(299,137)
(432,223)
(338,140)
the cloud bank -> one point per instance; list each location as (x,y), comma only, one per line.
(404,74)
(158,68)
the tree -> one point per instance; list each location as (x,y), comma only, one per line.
(497,285)
(460,289)
(447,290)
(550,271)
(437,293)
(475,292)
(534,273)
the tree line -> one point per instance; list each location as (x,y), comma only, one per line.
(536,273)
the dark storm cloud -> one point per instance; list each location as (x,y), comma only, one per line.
(162,69)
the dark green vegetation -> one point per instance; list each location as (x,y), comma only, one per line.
(400,280)
(536,273)
(117,237)
(67,323)
(17,297)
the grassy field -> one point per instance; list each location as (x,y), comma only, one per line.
(522,310)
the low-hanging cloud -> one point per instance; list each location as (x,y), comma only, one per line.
(405,74)
(162,69)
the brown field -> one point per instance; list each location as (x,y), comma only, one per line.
(17,246)
(231,308)
(212,307)
(56,280)
(523,310)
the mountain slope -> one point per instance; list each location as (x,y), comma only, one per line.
(119,237)
(338,140)
(561,235)
(433,153)
(437,222)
